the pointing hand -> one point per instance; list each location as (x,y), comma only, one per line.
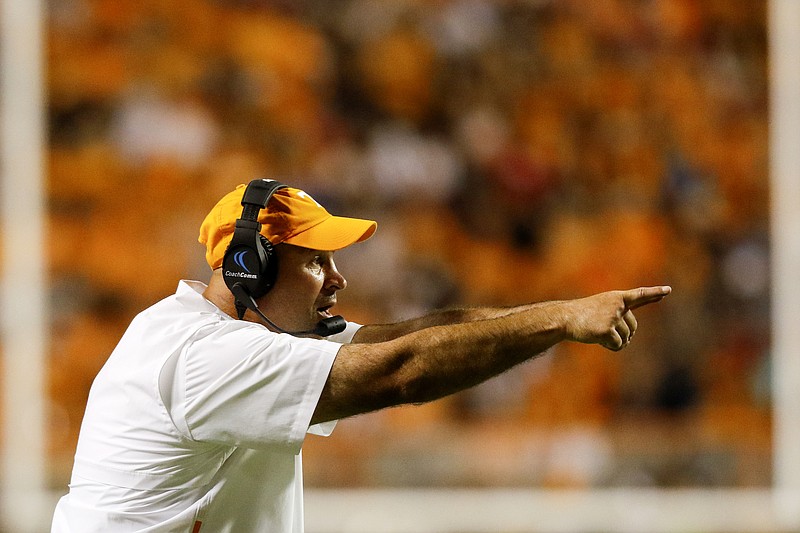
(607,318)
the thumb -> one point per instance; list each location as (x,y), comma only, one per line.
(644,295)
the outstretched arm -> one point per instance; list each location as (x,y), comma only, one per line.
(439,360)
(445,317)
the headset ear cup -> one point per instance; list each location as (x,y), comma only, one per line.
(253,266)
(269,268)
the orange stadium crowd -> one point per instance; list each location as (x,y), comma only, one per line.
(510,151)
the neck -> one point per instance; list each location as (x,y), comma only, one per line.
(218,294)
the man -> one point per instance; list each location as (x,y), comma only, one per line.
(196,422)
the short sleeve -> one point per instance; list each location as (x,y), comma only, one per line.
(247,386)
(346,336)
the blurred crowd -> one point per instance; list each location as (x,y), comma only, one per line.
(511,151)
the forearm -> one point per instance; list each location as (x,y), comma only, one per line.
(447,359)
(386,332)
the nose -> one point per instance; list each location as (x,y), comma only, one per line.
(334,279)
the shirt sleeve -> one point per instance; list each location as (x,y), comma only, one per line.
(346,336)
(246,386)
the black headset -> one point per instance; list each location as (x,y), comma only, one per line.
(250,266)
(250,261)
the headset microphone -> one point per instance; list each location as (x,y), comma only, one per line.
(324,328)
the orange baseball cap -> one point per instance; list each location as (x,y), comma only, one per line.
(292,216)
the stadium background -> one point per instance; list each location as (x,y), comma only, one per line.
(511,151)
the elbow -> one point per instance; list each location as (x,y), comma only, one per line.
(418,387)
(406,378)
(417,379)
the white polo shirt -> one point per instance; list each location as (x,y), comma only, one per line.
(195,425)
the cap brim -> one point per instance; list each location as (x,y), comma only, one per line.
(334,233)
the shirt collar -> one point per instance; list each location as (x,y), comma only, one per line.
(190,294)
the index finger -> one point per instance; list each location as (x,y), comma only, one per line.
(644,295)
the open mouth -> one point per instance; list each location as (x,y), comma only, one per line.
(324,311)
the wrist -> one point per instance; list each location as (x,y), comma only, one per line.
(563,316)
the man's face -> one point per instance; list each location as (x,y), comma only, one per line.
(304,290)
